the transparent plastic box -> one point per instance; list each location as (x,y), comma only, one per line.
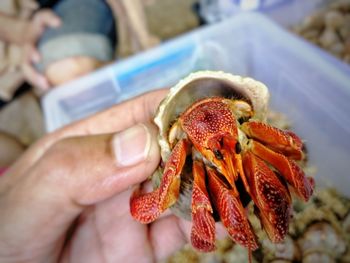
(284,12)
(311,87)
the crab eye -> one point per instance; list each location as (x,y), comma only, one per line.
(218,155)
(241,120)
(238,148)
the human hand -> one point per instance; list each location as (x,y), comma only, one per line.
(41,20)
(67,198)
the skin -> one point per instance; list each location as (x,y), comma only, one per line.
(26,33)
(10,150)
(59,72)
(67,198)
(67,69)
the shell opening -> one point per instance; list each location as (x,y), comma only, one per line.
(205,84)
(203,88)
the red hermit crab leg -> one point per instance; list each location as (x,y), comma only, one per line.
(203,224)
(282,144)
(147,207)
(270,196)
(294,175)
(285,142)
(169,188)
(231,211)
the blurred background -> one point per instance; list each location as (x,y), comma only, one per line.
(64,60)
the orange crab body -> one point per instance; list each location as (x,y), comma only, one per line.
(227,145)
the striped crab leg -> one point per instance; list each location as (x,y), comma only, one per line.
(147,207)
(280,148)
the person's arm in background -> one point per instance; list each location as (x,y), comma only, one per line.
(12,29)
(85,41)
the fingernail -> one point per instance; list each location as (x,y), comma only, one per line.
(131,146)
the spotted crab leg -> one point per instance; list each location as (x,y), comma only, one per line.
(275,144)
(270,196)
(281,141)
(147,207)
(231,211)
(203,224)
(294,175)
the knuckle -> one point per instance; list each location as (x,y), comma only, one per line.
(62,157)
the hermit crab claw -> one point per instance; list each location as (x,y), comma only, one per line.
(213,136)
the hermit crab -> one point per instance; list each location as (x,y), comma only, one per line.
(218,153)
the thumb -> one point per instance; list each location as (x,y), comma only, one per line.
(73,174)
(87,170)
(97,167)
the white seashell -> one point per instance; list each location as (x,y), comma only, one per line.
(204,84)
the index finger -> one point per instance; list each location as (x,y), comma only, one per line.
(117,118)
(138,110)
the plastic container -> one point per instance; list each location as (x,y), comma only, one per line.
(285,12)
(312,91)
